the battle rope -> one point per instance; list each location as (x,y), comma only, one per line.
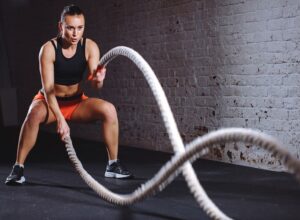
(179,162)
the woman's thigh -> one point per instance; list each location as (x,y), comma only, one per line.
(93,109)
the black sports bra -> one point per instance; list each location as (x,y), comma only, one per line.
(69,71)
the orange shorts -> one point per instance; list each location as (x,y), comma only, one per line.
(67,105)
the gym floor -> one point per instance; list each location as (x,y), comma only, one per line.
(55,191)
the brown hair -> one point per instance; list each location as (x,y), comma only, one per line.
(70,10)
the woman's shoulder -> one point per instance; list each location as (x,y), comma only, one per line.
(52,43)
(48,48)
(90,43)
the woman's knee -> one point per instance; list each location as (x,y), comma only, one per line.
(36,115)
(109,112)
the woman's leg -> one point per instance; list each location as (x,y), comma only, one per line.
(38,113)
(94,109)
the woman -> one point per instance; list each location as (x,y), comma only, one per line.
(62,62)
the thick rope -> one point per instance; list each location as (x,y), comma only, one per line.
(179,162)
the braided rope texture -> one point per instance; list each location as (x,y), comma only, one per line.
(184,155)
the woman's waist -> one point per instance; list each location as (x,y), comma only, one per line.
(66,97)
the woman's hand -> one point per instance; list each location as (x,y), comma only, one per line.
(98,77)
(63,129)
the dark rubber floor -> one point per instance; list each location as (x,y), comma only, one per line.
(55,191)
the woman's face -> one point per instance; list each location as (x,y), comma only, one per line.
(72,28)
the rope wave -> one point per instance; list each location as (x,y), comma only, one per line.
(184,155)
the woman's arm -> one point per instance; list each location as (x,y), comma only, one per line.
(46,65)
(97,73)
